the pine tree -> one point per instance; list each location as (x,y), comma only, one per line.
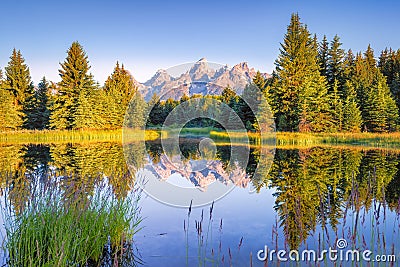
(335,64)
(260,81)
(227,95)
(314,106)
(136,113)
(323,56)
(374,96)
(299,97)
(119,89)
(348,66)
(249,103)
(389,64)
(38,112)
(229,98)
(184,98)
(75,85)
(10,114)
(336,108)
(375,106)
(352,119)
(18,82)
(18,79)
(155,111)
(370,58)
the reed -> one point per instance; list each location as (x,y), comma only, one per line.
(251,137)
(370,139)
(60,229)
(71,136)
(308,139)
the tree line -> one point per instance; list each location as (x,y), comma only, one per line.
(319,87)
(76,102)
(316,86)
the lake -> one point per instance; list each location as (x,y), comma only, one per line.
(285,198)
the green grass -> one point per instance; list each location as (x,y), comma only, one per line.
(195,131)
(310,139)
(77,231)
(58,136)
(236,136)
(282,138)
(364,139)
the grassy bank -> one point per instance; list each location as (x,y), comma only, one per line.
(364,139)
(282,138)
(308,139)
(56,136)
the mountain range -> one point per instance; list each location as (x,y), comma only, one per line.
(198,78)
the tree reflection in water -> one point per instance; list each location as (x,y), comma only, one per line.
(314,187)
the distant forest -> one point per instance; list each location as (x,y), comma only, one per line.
(316,86)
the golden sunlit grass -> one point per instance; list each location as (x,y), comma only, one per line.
(65,136)
(370,139)
(283,139)
(309,139)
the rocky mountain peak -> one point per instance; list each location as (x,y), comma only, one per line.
(202,60)
(160,78)
(201,78)
(201,71)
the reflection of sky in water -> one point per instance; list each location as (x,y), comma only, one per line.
(178,180)
(251,216)
(244,215)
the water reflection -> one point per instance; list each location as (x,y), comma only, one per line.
(313,187)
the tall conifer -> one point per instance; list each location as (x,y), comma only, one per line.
(73,89)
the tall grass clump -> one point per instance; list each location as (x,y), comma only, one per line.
(71,136)
(57,228)
(237,137)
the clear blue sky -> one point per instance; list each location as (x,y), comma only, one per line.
(149,35)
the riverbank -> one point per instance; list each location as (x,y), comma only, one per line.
(57,136)
(282,138)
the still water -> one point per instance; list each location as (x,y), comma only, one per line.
(294,198)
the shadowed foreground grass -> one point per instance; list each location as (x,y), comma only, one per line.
(61,229)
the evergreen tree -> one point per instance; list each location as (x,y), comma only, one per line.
(75,85)
(378,110)
(18,79)
(249,103)
(389,64)
(323,56)
(10,114)
(136,112)
(348,66)
(352,119)
(370,61)
(336,108)
(227,95)
(38,112)
(298,95)
(18,82)
(119,89)
(314,106)
(184,98)
(90,111)
(156,112)
(229,98)
(335,64)
(260,81)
